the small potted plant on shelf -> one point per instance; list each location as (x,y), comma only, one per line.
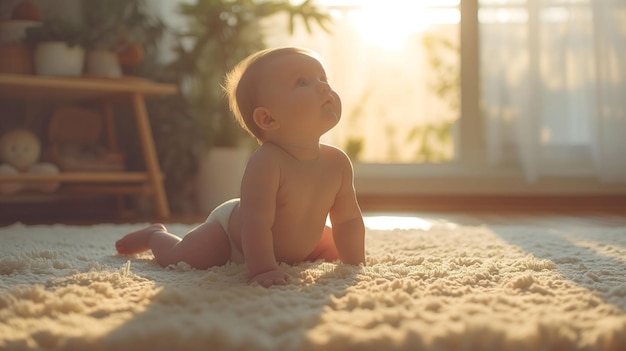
(58,47)
(15,56)
(116,31)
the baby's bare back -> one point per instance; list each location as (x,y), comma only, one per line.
(305,196)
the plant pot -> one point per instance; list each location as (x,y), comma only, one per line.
(56,58)
(16,59)
(219,176)
(102,63)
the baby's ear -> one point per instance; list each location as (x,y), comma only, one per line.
(263,118)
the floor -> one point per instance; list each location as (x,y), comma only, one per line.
(462,210)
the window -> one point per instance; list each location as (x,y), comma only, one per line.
(552,80)
(550,47)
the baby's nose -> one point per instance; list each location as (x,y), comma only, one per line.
(324,87)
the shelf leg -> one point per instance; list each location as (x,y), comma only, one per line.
(149,155)
(109,125)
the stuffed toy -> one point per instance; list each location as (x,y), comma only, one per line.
(19,153)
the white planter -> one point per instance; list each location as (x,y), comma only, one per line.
(102,63)
(56,58)
(219,176)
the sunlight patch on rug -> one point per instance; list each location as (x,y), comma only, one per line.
(382,222)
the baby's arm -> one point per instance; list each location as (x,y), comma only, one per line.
(347,220)
(257,208)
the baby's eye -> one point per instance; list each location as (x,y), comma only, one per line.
(302,82)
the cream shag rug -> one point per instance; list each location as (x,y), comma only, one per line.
(451,287)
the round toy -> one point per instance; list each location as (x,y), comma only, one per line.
(19,152)
(20,148)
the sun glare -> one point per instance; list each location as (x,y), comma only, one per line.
(396,222)
(388,24)
(383,25)
(389,222)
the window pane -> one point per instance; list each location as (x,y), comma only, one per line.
(538,77)
(395,65)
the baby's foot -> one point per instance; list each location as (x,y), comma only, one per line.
(137,241)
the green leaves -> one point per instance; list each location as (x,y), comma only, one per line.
(57,30)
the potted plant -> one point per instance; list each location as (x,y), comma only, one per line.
(58,47)
(116,32)
(223,33)
(218,34)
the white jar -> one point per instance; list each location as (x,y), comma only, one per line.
(56,58)
(102,63)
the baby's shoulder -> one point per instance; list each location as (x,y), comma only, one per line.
(267,149)
(266,155)
(334,152)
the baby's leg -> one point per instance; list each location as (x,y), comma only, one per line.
(139,241)
(204,246)
(326,249)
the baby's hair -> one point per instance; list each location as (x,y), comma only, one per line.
(242,85)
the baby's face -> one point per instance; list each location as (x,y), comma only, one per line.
(298,95)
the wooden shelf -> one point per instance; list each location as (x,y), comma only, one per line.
(108,90)
(40,88)
(78,177)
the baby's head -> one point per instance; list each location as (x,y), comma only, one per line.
(247,83)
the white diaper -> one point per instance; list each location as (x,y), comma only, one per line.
(221,214)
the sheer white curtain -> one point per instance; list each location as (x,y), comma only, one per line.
(554,86)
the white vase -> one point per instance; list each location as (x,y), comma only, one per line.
(56,58)
(102,63)
(219,176)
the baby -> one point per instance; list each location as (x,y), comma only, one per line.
(291,184)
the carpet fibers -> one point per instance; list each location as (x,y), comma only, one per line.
(445,286)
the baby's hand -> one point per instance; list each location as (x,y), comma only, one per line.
(269,278)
